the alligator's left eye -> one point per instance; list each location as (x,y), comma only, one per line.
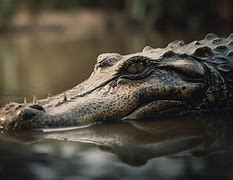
(136,68)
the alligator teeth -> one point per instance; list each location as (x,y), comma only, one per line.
(25,100)
(65,97)
(34,99)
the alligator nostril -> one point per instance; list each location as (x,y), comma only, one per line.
(27,114)
(37,107)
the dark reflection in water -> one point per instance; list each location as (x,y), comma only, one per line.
(187,148)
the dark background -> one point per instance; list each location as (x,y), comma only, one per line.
(194,16)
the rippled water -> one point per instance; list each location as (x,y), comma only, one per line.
(181,148)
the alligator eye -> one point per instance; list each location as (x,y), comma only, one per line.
(136,68)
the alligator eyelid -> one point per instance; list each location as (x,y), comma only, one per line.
(132,60)
(147,72)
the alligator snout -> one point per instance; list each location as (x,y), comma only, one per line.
(26,115)
(29,112)
(37,107)
(14,116)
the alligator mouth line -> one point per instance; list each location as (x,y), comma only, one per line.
(163,106)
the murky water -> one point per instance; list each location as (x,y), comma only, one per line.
(187,148)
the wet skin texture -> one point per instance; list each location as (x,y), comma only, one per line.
(177,79)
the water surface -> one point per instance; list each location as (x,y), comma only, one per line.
(187,148)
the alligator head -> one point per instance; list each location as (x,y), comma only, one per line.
(176,79)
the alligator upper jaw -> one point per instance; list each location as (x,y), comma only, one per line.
(75,113)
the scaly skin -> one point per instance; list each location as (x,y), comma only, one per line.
(177,79)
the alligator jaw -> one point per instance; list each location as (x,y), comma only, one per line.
(106,103)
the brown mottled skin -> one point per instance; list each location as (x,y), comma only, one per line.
(177,79)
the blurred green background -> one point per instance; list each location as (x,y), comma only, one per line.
(49,46)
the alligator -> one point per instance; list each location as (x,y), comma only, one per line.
(175,80)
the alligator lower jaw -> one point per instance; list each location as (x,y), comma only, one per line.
(156,108)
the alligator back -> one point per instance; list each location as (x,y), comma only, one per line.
(214,51)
